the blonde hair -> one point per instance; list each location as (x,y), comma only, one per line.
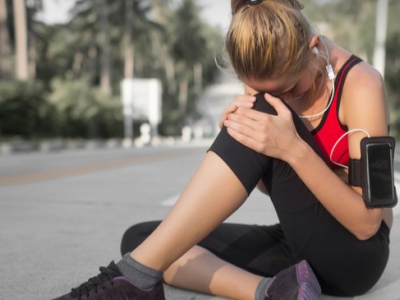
(268,40)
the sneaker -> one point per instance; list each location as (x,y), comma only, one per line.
(110,284)
(297,282)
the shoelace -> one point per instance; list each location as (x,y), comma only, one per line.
(106,274)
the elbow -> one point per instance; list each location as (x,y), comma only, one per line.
(368,223)
(367,231)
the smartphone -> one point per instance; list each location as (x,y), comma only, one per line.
(380,174)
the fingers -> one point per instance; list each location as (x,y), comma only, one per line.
(279,106)
(265,133)
(247,113)
(229,110)
(276,103)
(250,122)
(247,118)
(243,129)
(245,100)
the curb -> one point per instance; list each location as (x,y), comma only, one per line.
(48,146)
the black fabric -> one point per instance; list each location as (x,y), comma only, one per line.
(261,250)
(344,265)
(355,174)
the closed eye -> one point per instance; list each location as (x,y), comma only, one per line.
(290,90)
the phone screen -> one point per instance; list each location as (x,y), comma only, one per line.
(380,172)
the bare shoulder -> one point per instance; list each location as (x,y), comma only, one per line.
(364,78)
(364,95)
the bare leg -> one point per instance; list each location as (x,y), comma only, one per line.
(200,270)
(211,196)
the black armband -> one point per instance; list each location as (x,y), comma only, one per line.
(374,171)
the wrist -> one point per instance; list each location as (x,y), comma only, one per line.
(299,153)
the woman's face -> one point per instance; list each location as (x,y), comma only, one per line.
(288,89)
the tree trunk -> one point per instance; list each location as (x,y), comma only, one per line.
(77,65)
(170,73)
(21,40)
(128,42)
(105,73)
(198,78)
(32,57)
(5,64)
(183,97)
(92,53)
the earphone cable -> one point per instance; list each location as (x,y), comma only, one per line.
(331,76)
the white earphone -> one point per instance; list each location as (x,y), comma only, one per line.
(331,76)
(329,68)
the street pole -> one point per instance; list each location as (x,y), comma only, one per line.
(380,36)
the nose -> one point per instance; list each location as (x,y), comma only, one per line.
(286,96)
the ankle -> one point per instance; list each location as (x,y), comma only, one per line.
(143,276)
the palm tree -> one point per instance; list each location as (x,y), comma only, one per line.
(99,24)
(91,21)
(105,76)
(5,49)
(21,40)
(34,7)
(138,28)
(187,49)
(128,40)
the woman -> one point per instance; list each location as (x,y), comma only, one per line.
(286,145)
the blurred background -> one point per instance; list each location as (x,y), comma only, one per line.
(69,68)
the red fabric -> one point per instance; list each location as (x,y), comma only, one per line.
(330,130)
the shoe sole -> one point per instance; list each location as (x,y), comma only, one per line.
(309,287)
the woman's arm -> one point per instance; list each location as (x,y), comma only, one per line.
(275,136)
(363,107)
(343,202)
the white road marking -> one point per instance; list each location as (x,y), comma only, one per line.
(170,201)
(396,209)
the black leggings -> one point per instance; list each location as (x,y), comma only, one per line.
(344,265)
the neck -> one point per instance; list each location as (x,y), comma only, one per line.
(318,102)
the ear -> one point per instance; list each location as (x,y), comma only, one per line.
(314,42)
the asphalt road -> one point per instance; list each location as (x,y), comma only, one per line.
(62,215)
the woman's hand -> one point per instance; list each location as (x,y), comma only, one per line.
(245,100)
(271,135)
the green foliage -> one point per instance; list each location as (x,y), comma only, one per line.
(188,40)
(169,40)
(71,60)
(24,111)
(84,111)
(72,110)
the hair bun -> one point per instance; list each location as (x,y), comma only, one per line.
(237,4)
(295,4)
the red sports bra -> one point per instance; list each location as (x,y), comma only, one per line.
(330,130)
